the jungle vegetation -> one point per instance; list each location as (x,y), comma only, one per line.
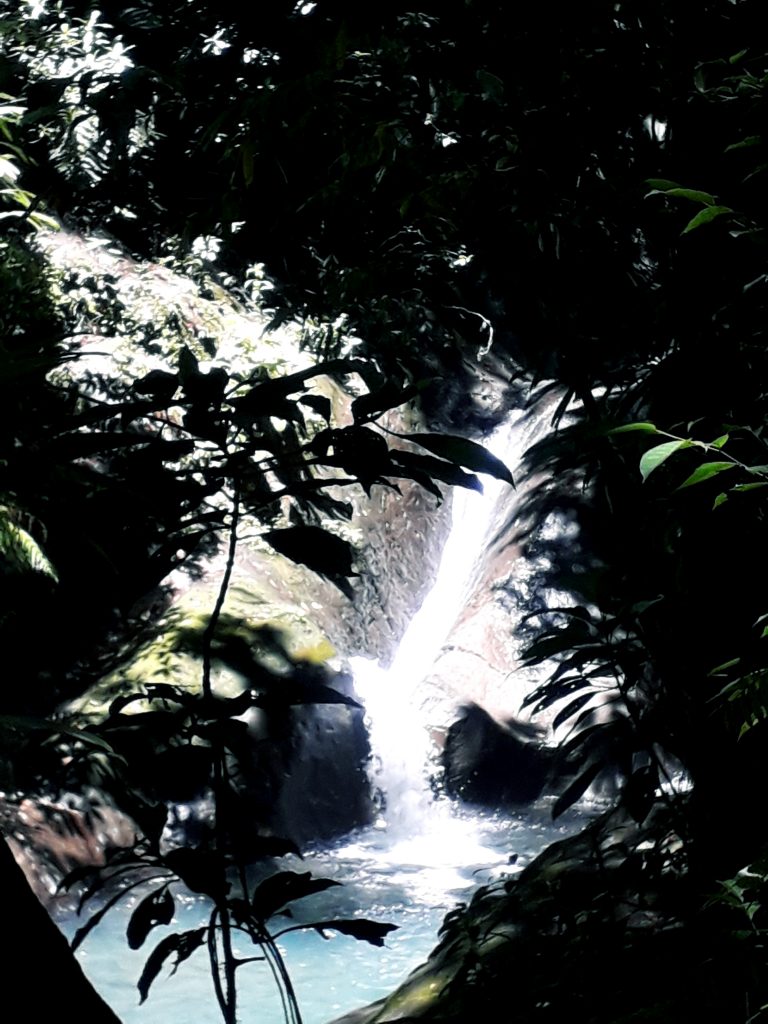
(574,196)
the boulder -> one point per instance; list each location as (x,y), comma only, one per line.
(495,764)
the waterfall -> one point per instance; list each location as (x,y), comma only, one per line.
(400,718)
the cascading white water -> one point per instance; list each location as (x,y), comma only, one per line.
(398,718)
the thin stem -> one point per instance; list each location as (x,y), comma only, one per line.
(213,956)
(210,629)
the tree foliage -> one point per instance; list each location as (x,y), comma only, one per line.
(576,193)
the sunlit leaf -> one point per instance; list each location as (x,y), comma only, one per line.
(654,457)
(742,488)
(704,472)
(640,427)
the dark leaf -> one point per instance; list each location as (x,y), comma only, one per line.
(387,397)
(183,945)
(157,908)
(359,928)
(200,870)
(446,472)
(278,890)
(463,453)
(188,365)
(318,404)
(272,846)
(576,789)
(314,547)
(296,691)
(157,383)
(571,709)
(655,456)
(96,918)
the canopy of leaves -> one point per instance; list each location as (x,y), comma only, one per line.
(581,188)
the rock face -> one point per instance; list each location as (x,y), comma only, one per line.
(48,839)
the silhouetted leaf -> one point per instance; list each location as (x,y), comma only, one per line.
(446,472)
(390,396)
(158,383)
(318,404)
(188,365)
(291,692)
(314,547)
(272,846)
(576,789)
(94,919)
(571,709)
(358,928)
(183,945)
(157,908)
(284,887)
(200,870)
(463,453)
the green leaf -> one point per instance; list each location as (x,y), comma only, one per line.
(716,671)
(493,87)
(691,193)
(750,140)
(463,453)
(661,184)
(704,472)
(641,427)
(741,488)
(705,216)
(157,908)
(654,457)
(20,551)
(719,500)
(720,442)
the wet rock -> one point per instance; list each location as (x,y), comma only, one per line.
(49,839)
(492,763)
